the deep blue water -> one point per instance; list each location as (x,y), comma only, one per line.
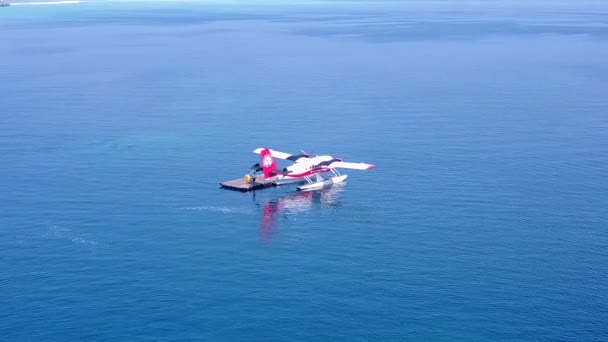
(486,218)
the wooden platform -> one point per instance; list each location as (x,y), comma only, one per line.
(241,185)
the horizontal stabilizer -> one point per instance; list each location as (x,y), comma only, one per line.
(277,172)
(256,167)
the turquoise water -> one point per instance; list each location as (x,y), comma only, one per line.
(485,218)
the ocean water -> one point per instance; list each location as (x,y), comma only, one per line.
(486,218)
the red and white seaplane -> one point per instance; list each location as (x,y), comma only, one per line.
(304,169)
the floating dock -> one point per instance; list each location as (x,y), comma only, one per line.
(244,186)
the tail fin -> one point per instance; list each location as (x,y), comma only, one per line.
(268,164)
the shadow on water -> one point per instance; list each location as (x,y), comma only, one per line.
(296,203)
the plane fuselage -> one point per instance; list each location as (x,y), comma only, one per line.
(305,167)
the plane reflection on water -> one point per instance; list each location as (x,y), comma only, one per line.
(296,203)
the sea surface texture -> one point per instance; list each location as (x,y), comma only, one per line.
(486,218)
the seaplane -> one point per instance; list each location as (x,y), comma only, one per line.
(305,169)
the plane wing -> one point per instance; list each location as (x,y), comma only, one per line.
(355,166)
(282,155)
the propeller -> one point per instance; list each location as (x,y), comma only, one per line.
(295,157)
